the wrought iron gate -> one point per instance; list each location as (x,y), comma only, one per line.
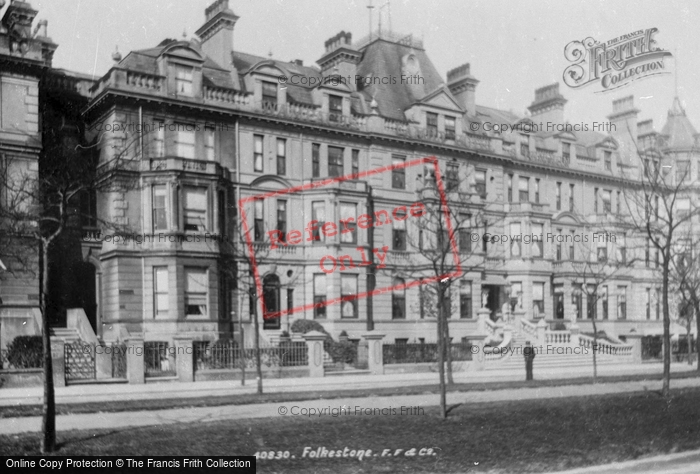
(80,361)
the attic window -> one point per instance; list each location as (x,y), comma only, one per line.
(269,94)
(335,108)
(432,124)
(449,128)
(183,80)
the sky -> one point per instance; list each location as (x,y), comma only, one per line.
(514,47)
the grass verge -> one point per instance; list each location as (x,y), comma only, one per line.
(514,436)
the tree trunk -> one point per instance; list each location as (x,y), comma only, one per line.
(258,365)
(448,350)
(696,304)
(241,347)
(49,416)
(666,386)
(687,342)
(441,361)
(595,347)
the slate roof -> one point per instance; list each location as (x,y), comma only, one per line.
(145,60)
(680,133)
(382,59)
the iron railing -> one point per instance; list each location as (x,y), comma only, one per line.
(230,356)
(159,359)
(417,353)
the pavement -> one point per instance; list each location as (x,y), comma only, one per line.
(85,393)
(406,405)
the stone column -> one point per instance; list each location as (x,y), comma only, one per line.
(184,358)
(314,344)
(135,372)
(58,361)
(636,341)
(375,354)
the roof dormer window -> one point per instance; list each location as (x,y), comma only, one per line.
(431,122)
(183,80)
(335,108)
(269,94)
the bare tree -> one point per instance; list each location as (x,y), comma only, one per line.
(39,207)
(445,243)
(243,254)
(685,274)
(598,267)
(662,204)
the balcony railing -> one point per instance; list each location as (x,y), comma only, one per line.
(174,163)
(118,78)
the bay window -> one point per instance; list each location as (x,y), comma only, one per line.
(195,209)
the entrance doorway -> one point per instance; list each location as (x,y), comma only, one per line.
(493,302)
(85,278)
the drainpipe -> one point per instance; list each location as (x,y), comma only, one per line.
(372,267)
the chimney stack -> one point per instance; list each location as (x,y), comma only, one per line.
(624,127)
(217,34)
(463,86)
(548,105)
(340,53)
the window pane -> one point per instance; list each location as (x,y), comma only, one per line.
(196,281)
(196,198)
(348,284)
(335,161)
(318,213)
(185,141)
(348,211)
(320,285)
(538,291)
(14,109)
(160,221)
(161,279)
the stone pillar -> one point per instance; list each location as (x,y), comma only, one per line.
(58,361)
(636,341)
(184,358)
(541,328)
(575,331)
(135,372)
(314,344)
(518,316)
(478,356)
(483,314)
(103,361)
(375,353)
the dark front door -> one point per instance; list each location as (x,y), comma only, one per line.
(494,301)
(87,298)
(271,295)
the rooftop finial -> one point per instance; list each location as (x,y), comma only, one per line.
(116,55)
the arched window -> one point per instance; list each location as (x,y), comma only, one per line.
(398,299)
(271,296)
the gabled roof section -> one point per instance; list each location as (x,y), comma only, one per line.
(489,114)
(146,61)
(441,98)
(299,93)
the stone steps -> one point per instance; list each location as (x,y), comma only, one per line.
(561,356)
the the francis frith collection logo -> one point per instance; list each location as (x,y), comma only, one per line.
(614,63)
